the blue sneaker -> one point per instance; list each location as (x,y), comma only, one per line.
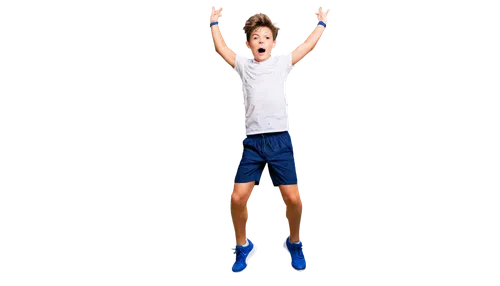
(243,253)
(298,260)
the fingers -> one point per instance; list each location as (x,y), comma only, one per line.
(214,8)
(218,10)
(321,10)
(324,12)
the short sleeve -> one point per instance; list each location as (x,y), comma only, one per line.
(239,64)
(286,62)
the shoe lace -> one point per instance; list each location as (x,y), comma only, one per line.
(240,256)
(297,249)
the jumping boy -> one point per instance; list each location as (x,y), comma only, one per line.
(268,141)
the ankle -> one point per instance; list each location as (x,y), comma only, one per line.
(242,242)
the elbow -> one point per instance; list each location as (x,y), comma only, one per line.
(303,50)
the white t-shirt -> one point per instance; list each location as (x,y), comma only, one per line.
(263,85)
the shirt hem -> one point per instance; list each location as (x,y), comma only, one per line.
(266,131)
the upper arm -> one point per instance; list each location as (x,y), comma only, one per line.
(239,65)
(287,62)
(228,55)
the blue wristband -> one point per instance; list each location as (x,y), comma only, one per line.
(321,23)
(213,23)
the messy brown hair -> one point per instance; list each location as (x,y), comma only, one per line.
(259,20)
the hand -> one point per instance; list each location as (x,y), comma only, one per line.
(321,15)
(215,15)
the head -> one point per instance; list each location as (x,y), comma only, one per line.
(261,36)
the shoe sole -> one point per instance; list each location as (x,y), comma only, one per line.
(285,248)
(252,252)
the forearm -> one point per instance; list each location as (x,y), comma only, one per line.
(217,37)
(315,35)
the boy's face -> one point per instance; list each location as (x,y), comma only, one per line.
(261,43)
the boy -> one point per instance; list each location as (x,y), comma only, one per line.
(268,140)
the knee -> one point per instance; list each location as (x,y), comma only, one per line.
(238,200)
(293,200)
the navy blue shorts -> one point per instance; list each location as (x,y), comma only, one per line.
(273,148)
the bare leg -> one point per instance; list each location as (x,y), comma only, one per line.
(293,203)
(239,198)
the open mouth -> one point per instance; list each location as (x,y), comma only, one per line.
(261,50)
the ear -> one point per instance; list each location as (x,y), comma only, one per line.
(245,43)
(274,44)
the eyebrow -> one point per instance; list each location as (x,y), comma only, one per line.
(254,34)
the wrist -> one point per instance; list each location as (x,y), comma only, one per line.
(320,23)
(213,23)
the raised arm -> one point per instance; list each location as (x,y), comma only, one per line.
(302,50)
(220,46)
